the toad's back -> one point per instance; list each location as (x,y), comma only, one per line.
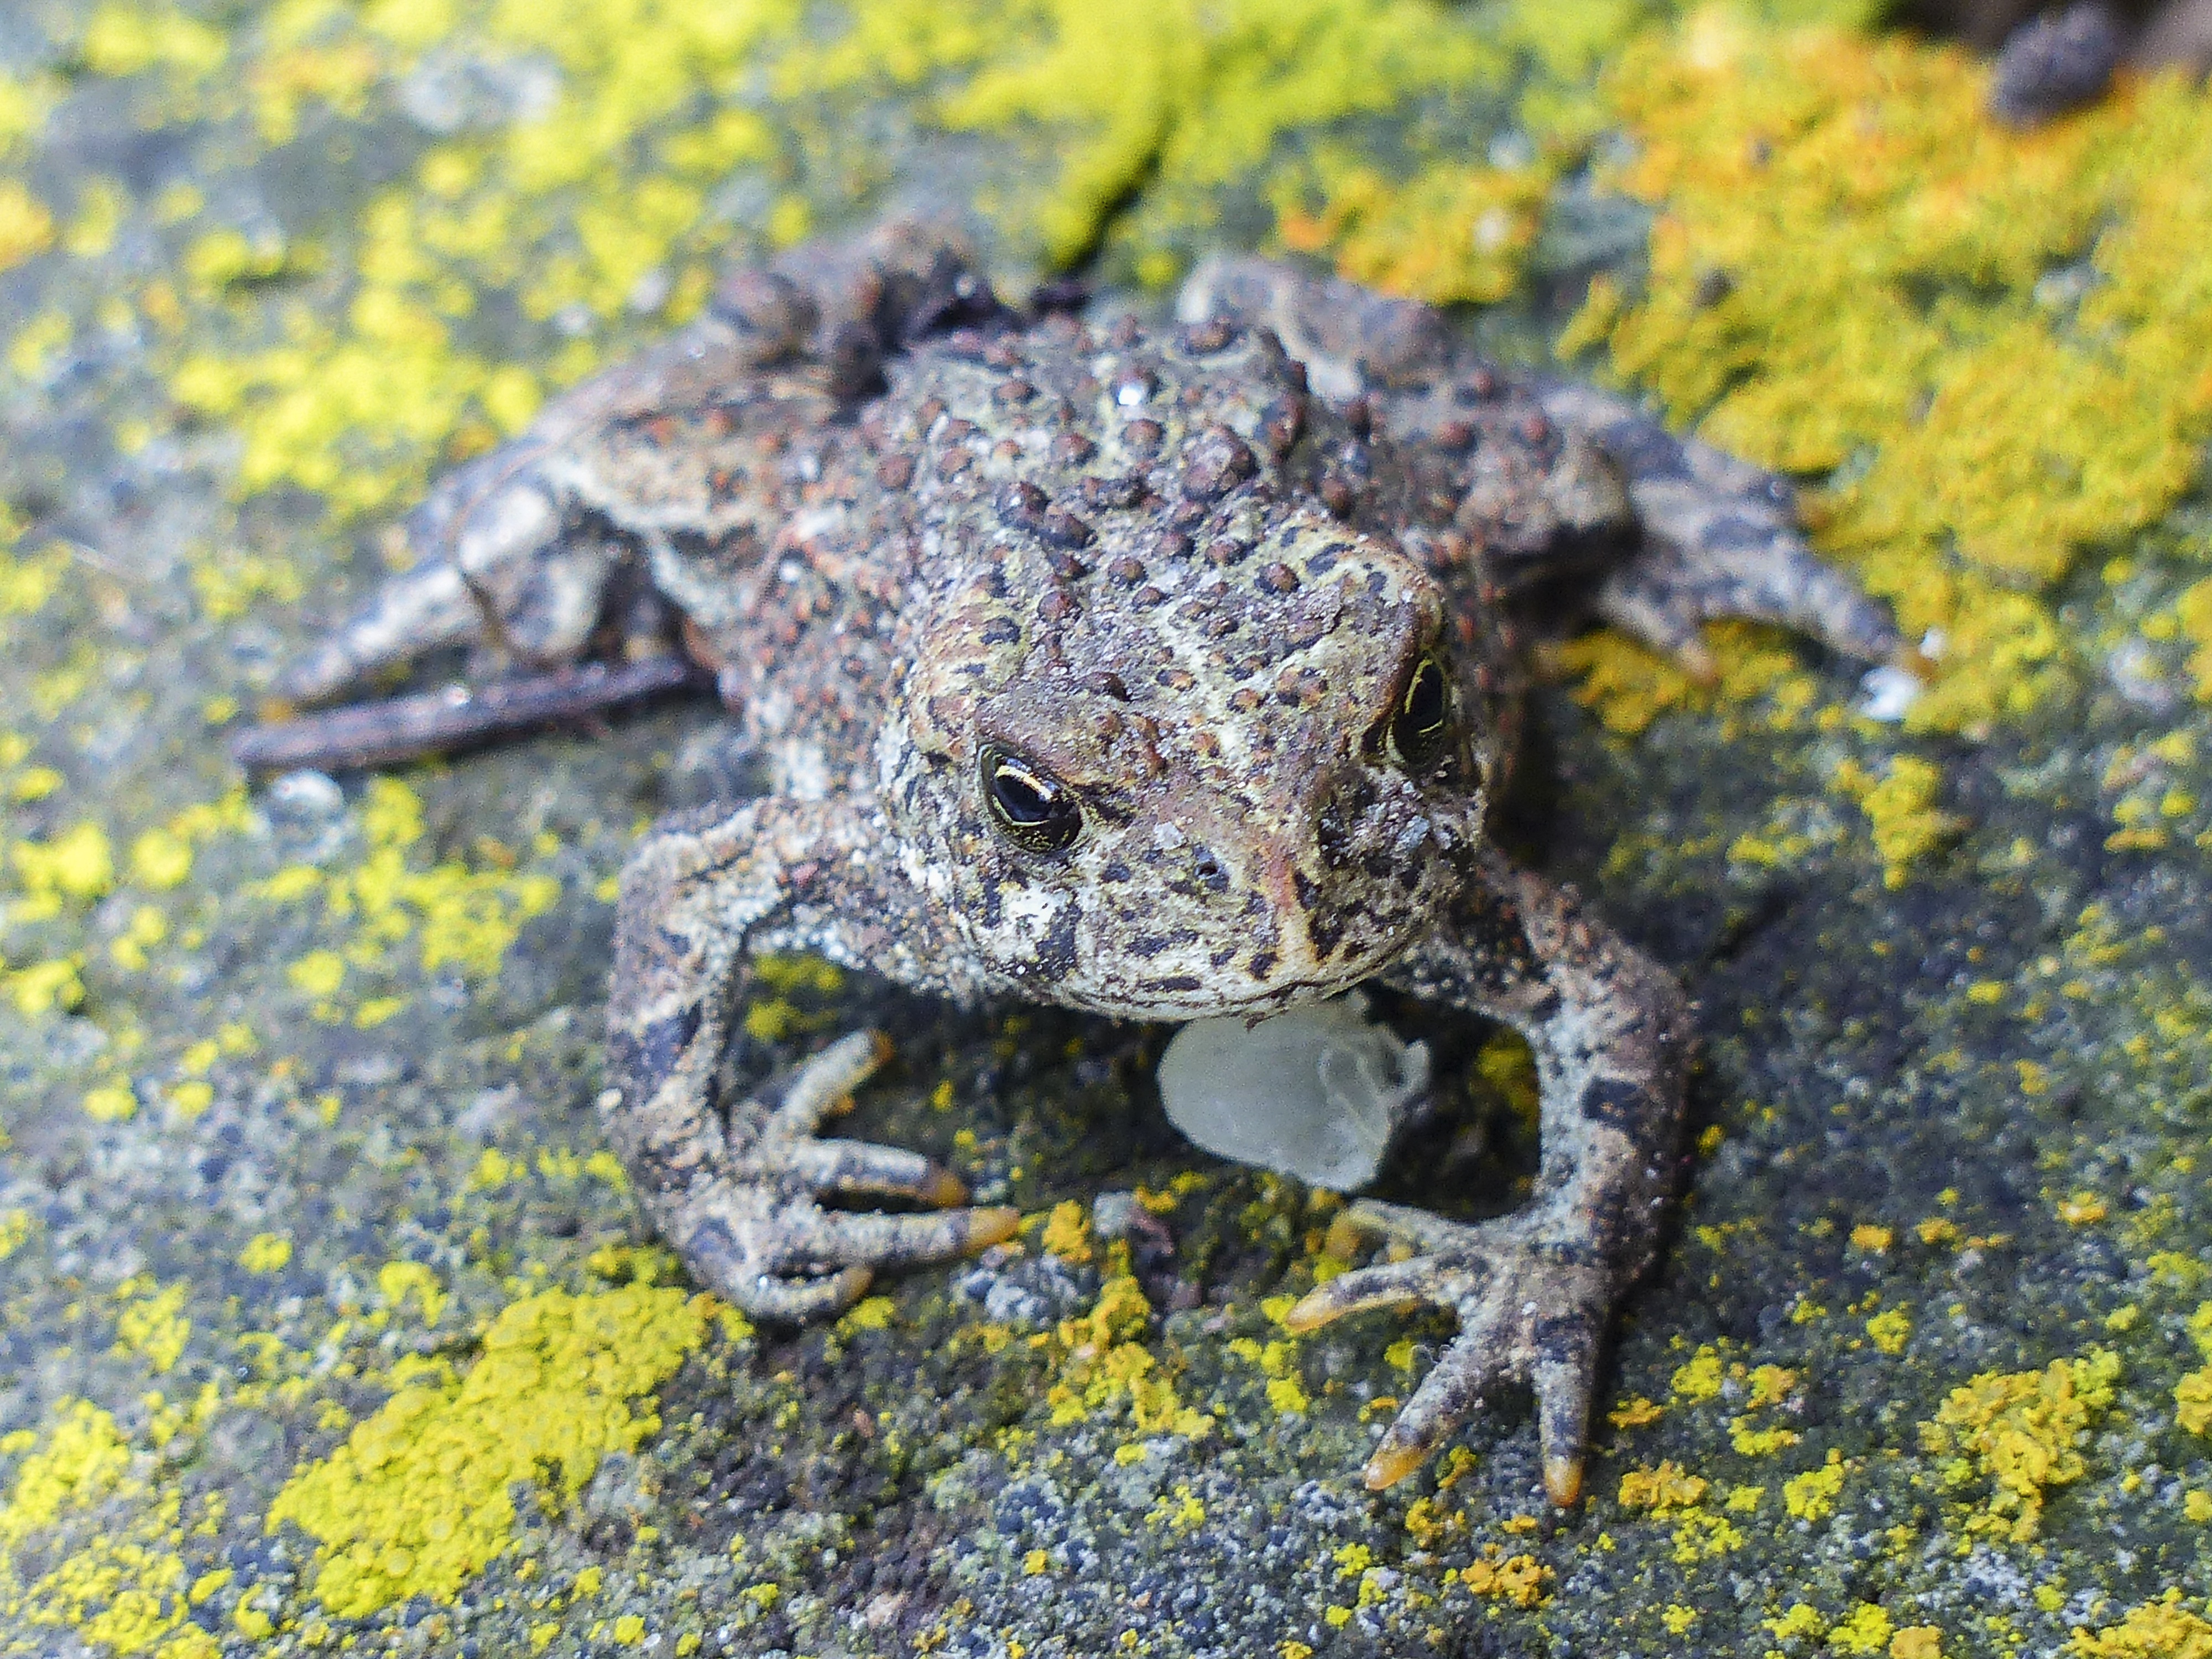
(1160,512)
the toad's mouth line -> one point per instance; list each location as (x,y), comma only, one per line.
(1177,1005)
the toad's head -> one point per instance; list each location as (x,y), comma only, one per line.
(1184,743)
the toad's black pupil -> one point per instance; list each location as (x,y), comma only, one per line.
(1034,809)
(1422,724)
(1024,798)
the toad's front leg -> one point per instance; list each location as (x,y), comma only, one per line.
(738,1186)
(1534,1290)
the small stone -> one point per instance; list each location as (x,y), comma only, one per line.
(2051,66)
(306,797)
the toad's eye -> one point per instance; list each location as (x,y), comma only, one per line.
(1420,726)
(1030,806)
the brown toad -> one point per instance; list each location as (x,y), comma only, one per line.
(1161,673)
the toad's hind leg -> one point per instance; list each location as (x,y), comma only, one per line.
(514,549)
(565,538)
(1703,535)
(498,567)
(1719,539)
(743,1189)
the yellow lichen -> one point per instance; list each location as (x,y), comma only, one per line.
(1701,1378)
(398,1281)
(2193,1395)
(2022,1432)
(2003,333)
(1107,1365)
(1452,233)
(28,583)
(1799,1620)
(2193,611)
(26,226)
(1522,1580)
(1508,1065)
(1811,1495)
(1067,1232)
(873,1313)
(452,914)
(1628,686)
(111,1103)
(1668,1487)
(1890,1330)
(81,1494)
(77,865)
(1900,808)
(1139,124)
(1635,1413)
(153,1326)
(40,987)
(317,974)
(1866,1629)
(85,1457)
(2163,1629)
(1751,1440)
(126,40)
(266,1252)
(416,1500)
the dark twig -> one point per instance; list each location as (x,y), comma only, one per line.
(407,728)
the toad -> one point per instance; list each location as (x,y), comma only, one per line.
(1165,673)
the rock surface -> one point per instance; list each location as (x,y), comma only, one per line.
(325,1323)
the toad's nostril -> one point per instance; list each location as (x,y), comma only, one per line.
(1333,835)
(1342,802)
(1209,870)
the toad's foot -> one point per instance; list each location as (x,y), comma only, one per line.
(1529,1312)
(753,1224)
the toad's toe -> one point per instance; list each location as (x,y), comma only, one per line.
(1528,1312)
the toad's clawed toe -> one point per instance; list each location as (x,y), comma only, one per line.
(1529,1312)
(757,1230)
